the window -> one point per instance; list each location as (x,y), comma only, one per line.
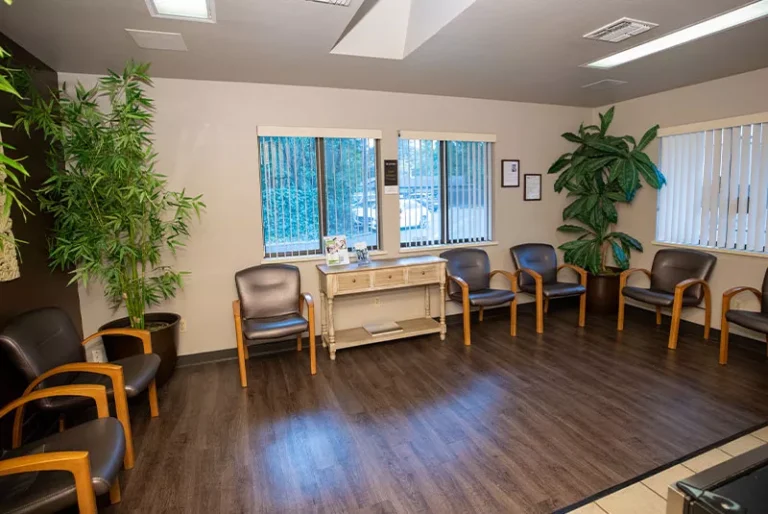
(317,186)
(445,191)
(717,188)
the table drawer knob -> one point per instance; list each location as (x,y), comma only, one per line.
(390,276)
(354,280)
(423,272)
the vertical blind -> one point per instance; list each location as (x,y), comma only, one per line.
(445,191)
(314,186)
(717,188)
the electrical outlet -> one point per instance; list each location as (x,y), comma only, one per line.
(377,302)
(97,354)
(183,325)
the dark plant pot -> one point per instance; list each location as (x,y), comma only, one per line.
(603,293)
(165,342)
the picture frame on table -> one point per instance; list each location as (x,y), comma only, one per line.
(532,187)
(510,173)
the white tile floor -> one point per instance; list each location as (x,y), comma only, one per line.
(650,495)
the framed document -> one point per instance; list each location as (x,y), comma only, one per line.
(532,188)
(510,173)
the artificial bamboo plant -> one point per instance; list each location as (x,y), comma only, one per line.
(113,216)
(603,171)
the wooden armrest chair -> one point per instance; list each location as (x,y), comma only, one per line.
(45,347)
(87,456)
(469,282)
(537,264)
(269,309)
(757,321)
(678,279)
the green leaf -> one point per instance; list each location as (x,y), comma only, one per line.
(647,138)
(619,255)
(572,229)
(561,162)
(573,138)
(606,120)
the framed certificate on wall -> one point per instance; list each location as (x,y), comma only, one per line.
(510,173)
(532,188)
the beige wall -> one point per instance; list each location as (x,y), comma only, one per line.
(732,96)
(206,140)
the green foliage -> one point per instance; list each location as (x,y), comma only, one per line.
(12,169)
(603,171)
(113,217)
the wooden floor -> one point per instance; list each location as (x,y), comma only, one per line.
(508,425)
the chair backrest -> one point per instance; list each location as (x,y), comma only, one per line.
(672,266)
(764,302)
(268,290)
(539,257)
(39,340)
(469,264)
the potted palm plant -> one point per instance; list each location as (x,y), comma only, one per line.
(603,171)
(113,216)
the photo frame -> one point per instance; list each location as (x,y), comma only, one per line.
(336,253)
(510,173)
(532,187)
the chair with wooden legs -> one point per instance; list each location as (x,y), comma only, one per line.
(538,269)
(46,348)
(88,455)
(469,282)
(269,308)
(757,321)
(678,279)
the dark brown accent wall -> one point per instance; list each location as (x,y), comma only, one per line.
(38,286)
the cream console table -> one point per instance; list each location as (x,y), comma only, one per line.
(380,275)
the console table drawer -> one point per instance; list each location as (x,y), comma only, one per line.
(389,277)
(423,274)
(349,282)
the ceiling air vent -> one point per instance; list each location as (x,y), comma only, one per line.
(340,3)
(620,30)
(602,85)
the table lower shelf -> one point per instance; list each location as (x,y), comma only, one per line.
(359,336)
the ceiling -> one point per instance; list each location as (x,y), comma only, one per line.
(522,50)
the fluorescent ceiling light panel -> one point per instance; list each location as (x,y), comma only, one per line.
(195,10)
(705,28)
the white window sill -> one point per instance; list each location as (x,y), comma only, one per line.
(743,253)
(422,249)
(314,258)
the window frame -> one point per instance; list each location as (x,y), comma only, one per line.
(445,240)
(322,198)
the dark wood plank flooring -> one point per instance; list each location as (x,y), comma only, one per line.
(508,425)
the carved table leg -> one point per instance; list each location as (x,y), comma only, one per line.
(323,322)
(443,328)
(331,331)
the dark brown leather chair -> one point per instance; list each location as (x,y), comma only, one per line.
(469,283)
(678,279)
(44,345)
(269,308)
(65,469)
(757,321)
(537,264)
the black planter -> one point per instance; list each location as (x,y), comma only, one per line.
(165,342)
(603,293)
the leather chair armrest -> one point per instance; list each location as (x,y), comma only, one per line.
(685,284)
(460,282)
(730,293)
(579,270)
(75,462)
(306,298)
(512,277)
(144,335)
(113,371)
(533,274)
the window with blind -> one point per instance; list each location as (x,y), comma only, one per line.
(717,188)
(445,191)
(317,186)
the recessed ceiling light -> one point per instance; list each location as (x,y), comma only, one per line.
(705,28)
(193,10)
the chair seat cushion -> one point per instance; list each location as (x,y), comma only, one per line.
(655,297)
(51,491)
(556,289)
(275,327)
(749,319)
(138,372)
(486,297)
